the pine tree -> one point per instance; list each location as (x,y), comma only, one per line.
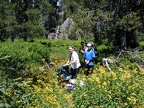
(7,20)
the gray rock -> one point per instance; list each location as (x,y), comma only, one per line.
(52,36)
(63,30)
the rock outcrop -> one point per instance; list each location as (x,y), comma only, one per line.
(63,30)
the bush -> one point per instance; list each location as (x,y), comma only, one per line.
(105,51)
(59,43)
(22,55)
(142,44)
(38,90)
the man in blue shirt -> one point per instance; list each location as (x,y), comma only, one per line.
(89,57)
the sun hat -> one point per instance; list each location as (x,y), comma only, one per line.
(89,44)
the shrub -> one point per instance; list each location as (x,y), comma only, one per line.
(22,55)
(40,89)
(142,44)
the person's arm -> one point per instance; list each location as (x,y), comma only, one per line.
(67,63)
(85,57)
(74,60)
(81,51)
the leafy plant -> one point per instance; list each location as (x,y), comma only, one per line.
(22,55)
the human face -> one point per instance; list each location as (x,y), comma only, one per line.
(82,44)
(89,47)
(71,49)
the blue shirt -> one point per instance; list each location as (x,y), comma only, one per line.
(89,55)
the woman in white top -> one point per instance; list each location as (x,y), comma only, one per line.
(74,62)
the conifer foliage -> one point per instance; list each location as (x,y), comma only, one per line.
(26,18)
(118,22)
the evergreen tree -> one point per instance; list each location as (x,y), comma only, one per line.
(27,18)
(8,21)
(118,22)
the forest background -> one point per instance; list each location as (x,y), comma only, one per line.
(113,23)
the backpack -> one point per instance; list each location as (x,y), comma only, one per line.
(65,72)
(94,48)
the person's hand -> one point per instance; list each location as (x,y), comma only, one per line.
(87,62)
(81,51)
(65,65)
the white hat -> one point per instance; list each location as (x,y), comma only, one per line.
(89,44)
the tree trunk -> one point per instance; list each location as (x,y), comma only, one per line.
(123,39)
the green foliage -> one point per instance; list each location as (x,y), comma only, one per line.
(105,19)
(25,19)
(59,43)
(7,20)
(33,30)
(106,49)
(142,44)
(117,88)
(33,90)
(121,87)
(22,55)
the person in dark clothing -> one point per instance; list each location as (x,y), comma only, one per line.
(81,53)
(82,48)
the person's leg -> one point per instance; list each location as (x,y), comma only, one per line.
(91,68)
(86,70)
(82,64)
(75,72)
(72,72)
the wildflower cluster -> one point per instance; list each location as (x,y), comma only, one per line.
(118,88)
(121,87)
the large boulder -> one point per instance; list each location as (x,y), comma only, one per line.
(52,36)
(63,30)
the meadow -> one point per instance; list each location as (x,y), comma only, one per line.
(123,87)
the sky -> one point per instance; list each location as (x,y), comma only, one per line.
(22,0)
(58,3)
